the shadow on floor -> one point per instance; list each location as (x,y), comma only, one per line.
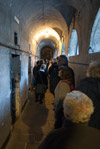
(35,122)
(35,116)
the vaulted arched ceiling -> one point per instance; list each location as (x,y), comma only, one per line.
(37,15)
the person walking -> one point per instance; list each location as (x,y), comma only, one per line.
(41,84)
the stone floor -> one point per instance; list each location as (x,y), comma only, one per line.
(33,125)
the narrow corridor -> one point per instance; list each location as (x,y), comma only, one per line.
(31,30)
(33,125)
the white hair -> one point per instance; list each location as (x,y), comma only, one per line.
(94,69)
(78,106)
(43,66)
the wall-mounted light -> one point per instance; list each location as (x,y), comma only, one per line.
(16,19)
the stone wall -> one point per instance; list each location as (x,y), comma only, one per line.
(7,28)
(5,116)
(84,21)
(20,88)
(80,64)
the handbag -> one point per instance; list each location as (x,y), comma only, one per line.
(41,88)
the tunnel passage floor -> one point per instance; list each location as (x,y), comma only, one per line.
(34,124)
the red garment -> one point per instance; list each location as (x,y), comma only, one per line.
(66,81)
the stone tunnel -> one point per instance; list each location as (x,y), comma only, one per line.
(35,29)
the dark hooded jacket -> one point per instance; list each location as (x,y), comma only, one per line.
(91,87)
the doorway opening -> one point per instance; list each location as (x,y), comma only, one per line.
(47,53)
(15,70)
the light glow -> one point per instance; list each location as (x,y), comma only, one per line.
(46,33)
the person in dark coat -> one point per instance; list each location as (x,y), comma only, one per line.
(41,84)
(52,67)
(76,134)
(37,67)
(91,87)
(54,78)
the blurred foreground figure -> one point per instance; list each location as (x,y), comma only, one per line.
(75,134)
(91,87)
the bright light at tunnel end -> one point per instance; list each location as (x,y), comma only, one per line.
(47,33)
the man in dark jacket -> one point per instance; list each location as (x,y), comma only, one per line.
(37,67)
(91,87)
(54,78)
(41,84)
(75,134)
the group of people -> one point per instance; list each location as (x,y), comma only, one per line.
(61,82)
(75,133)
(77,109)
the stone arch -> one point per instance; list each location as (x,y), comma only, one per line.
(73,44)
(95,35)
